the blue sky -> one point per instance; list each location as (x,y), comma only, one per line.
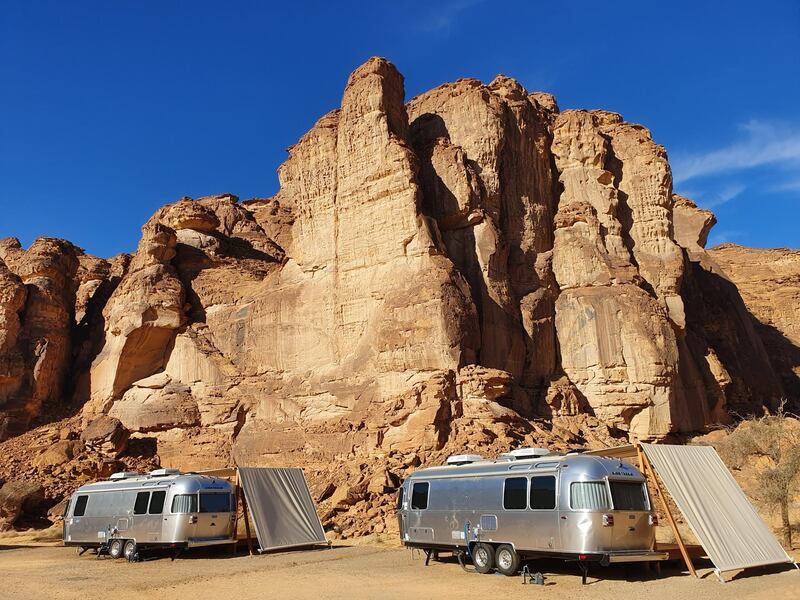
(111,109)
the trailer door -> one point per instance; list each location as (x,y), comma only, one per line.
(400,511)
(544,513)
(155,510)
(419,529)
(180,518)
(146,525)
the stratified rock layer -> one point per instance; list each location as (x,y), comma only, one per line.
(474,270)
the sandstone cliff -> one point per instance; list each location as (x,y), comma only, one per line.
(473,269)
(769,282)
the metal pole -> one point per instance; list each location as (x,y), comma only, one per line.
(246,522)
(236,518)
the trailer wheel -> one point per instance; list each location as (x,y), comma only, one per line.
(115,548)
(130,550)
(507,560)
(483,557)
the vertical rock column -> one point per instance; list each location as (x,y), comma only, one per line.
(12,300)
(48,271)
(643,180)
(487,180)
(617,344)
(142,317)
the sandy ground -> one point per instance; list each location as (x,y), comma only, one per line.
(37,572)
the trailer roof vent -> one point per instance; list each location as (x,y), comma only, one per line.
(522,453)
(464,459)
(124,475)
(576,451)
(164,472)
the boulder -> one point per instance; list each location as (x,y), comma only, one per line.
(346,496)
(106,435)
(58,453)
(188,214)
(18,497)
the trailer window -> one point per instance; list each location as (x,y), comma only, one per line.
(184,503)
(543,493)
(80,506)
(400,498)
(140,506)
(588,495)
(515,493)
(419,496)
(628,495)
(157,502)
(215,503)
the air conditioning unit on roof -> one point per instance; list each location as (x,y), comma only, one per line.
(164,472)
(522,453)
(125,475)
(463,459)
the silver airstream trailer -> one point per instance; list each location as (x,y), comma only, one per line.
(164,508)
(527,504)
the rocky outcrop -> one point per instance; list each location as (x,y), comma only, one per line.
(12,367)
(487,181)
(472,271)
(141,318)
(618,270)
(17,497)
(39,336)
(725,366)
(769,283)
(106,435)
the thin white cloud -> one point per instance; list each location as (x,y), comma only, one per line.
(441,17)
(714,197)
(763,143)
(792,185)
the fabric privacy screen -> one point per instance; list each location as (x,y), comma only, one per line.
(283,512)
(720,515)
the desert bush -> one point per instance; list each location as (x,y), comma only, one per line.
(775,438)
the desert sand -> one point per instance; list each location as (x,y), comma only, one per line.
(35,572)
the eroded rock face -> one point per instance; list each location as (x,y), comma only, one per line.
(769,283)
(12,301)
(617,340)
(724,362)
(472,271)
(488,183)
(40,332)
(141,318)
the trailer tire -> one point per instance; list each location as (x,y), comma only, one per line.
(507,560)
(483,557)
(129,550)
(115,548)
